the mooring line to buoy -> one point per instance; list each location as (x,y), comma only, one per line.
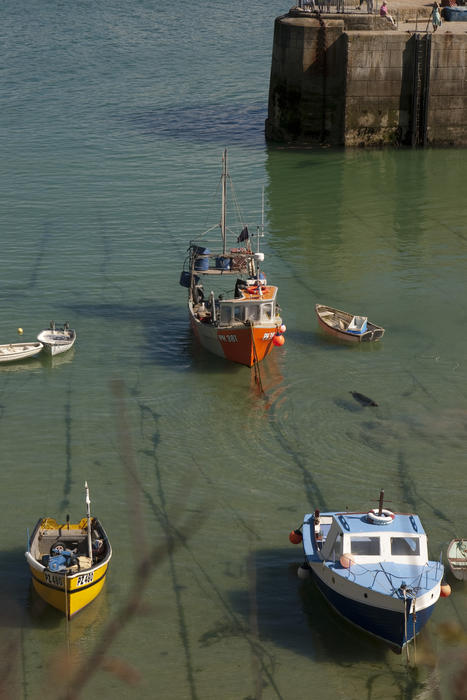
(256,363)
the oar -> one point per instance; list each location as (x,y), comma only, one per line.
(88,509)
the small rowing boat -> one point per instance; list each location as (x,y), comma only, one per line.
(57,339)
(457,558)
(69,562)
(347,326)
(19,351)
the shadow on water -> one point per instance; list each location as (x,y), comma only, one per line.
(165,338)
(293,614)
(214,123)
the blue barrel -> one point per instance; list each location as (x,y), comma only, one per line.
(223,263)
(202,263)
(454,14)
(185,279)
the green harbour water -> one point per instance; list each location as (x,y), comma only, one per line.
(113,121)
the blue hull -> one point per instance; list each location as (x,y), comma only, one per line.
(386,624)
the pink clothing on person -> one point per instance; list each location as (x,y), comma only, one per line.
(383,10)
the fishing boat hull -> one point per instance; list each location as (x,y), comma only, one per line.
(57,341)
(335,323)
(457,559)
(244,345)
(76,587)
(19,351)
(373,569)
(391,621)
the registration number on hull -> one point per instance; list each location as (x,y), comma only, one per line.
(83,579)
(54,579)
(231,338)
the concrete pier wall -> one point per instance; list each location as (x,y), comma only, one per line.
(349,80)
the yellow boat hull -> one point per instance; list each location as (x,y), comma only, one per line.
(81,589)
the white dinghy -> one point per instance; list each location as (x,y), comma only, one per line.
(57,340)
(19,351)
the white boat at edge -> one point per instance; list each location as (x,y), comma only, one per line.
(57,340)
(457,558)
(19,351)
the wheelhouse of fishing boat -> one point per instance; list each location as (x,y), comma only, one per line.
(249,300)
(397,538)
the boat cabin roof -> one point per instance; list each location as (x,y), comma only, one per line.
(359,523)
(268,293)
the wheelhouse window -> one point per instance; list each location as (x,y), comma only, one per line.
(365,546)
(266,310)
(238,313)
(226,313)
(252,313)
(336,550)
(405,546)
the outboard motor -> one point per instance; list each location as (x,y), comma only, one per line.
(61,561)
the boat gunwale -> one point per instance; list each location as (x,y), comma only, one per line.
(35,564)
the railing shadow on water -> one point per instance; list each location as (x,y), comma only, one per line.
(21,608)
(292,614)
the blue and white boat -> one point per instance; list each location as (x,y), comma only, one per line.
(373,568)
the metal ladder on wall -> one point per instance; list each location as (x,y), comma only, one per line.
(420,89)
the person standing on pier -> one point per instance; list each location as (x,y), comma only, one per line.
(435,17)
(369,6)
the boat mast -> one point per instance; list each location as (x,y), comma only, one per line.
(88,510)
(224,199)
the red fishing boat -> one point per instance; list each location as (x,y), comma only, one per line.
(237,317)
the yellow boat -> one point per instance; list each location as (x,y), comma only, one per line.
(69,562)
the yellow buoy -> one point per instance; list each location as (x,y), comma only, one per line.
(20,331)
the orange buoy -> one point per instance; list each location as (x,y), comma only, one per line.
(346,561)
(295,537)
(445,590)
(278,340)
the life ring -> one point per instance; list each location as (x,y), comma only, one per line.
(385,518)
(252,290)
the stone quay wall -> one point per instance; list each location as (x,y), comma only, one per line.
(348,80)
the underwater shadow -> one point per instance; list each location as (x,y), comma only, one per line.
(165,339)
(211,123)
(293,614)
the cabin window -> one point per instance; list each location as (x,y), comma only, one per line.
(405,546)
(267,312)
(238,313)
(226,313)
(365,546)
(336,551)
(252,313)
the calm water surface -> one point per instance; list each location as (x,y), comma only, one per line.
(113,120)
